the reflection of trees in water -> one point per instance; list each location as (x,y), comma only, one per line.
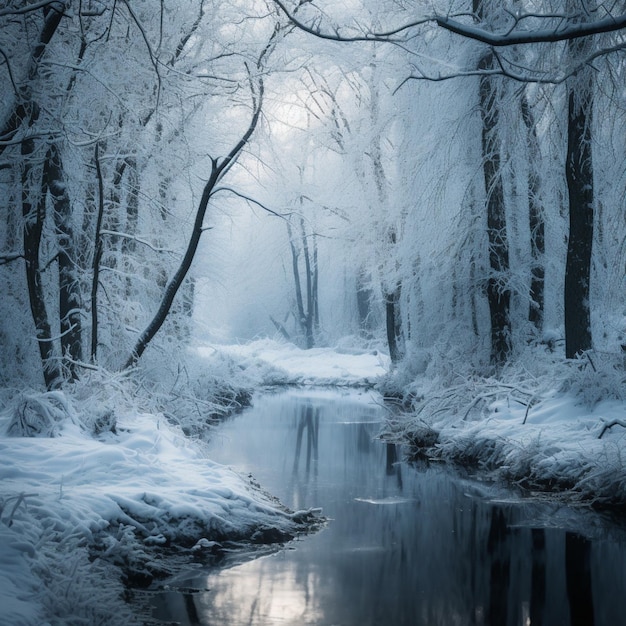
(525,575)
(499,553)
(578,577)
(437,556)
(538,577)
(392,465)
(309,424)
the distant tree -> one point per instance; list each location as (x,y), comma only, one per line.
(303,246)
(523,43)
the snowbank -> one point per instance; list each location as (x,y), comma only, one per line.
(559,430)
(268,362)
(121,491)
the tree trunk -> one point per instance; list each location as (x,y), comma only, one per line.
(498,292)
(536,221)
(295,268)
(69,287)
(132,219)
(22,109)
(579,174)
(364,304)
(179,276)
(393,324)
(33,225)
(218,170)
(310,305)
(97,256)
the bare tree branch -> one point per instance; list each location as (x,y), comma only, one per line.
(10,257)
(218,170)
(547,35)
(561,32)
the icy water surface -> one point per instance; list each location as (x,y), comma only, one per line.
(404,545)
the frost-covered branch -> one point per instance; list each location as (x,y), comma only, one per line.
(121,235)
(252,200)
(218,169)
(10,257)
(542,35)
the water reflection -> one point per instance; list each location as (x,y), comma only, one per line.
(404,546)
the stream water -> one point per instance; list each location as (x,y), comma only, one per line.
(404,545)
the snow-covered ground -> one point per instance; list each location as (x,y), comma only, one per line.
(552,426)
(279,363)
(87,492)
(80,482)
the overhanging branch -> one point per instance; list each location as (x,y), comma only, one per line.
(549,35)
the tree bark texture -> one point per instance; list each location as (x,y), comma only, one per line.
(536,221)
(97,256)
(393,324)
(579,174)
(70,301)
(34,216)
(498,291)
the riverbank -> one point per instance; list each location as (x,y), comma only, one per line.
(96,493)
(107,482)
(550,426)
(102,481)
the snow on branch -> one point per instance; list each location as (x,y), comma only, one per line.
(510,38)
(566,31)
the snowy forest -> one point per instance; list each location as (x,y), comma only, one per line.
(192,190)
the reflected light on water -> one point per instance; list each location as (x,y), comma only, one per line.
(261,594)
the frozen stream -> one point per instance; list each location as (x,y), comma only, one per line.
(404,545)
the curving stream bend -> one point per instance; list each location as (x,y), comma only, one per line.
(404,545)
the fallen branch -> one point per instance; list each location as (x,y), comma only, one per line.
(610,425)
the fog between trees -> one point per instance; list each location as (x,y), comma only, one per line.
(446,179)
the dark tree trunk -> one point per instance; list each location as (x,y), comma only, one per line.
(218,170)
(579,173)
(393,319)
(364,304)
(316,299)
(22,109)
(295,268)
(498,292)
(310,303)
(132,218)
(34,217)
(393,324)
(97,256)
(69,288)
(176,281)
(536,221)
(306,300)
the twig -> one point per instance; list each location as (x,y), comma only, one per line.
(610,425)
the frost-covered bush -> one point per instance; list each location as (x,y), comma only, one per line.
(594,377)
(192,392)
(40,415)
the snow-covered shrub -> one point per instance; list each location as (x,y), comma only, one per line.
(40,415)
(594,377)
(191,391)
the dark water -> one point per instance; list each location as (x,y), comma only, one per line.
(404,545)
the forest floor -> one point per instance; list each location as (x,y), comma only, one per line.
(95,488)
